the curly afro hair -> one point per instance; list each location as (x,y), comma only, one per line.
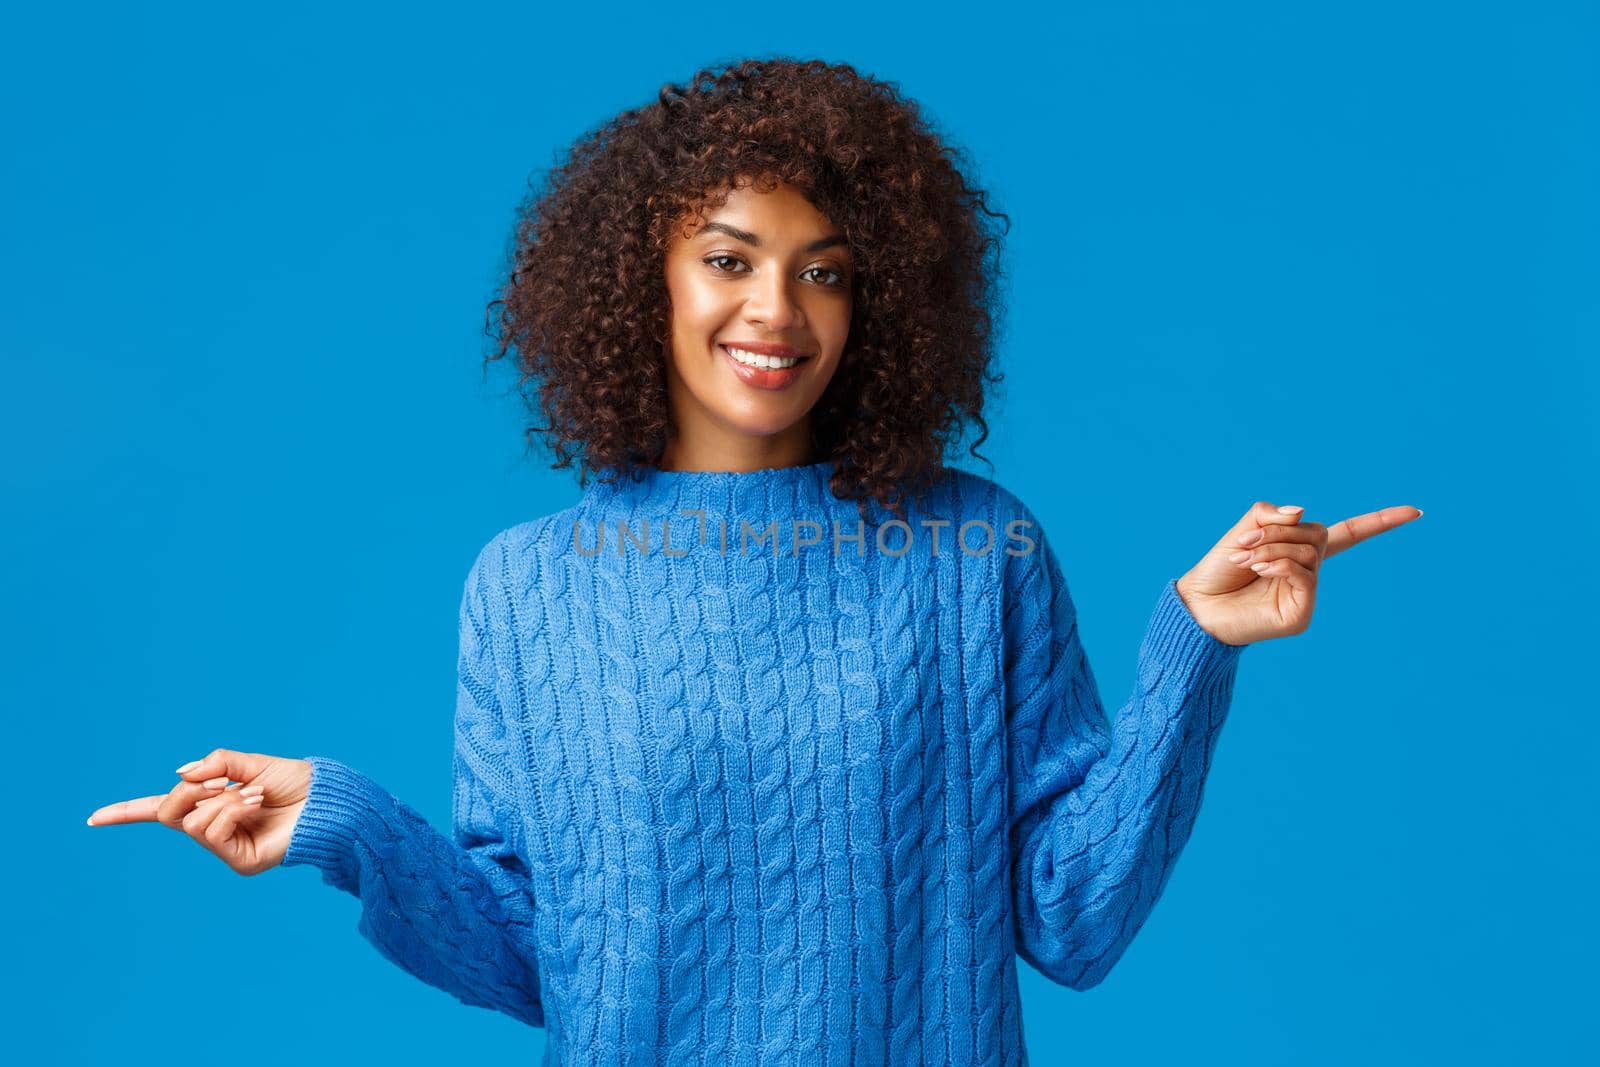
(586,307)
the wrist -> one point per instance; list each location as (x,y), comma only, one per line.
(1185,594)
(1195,602)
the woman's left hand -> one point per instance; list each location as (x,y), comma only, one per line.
(1260,580)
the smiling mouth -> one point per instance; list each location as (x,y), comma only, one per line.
(763,372)
(757,361)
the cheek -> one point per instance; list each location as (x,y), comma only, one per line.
(831,323)
(697,308)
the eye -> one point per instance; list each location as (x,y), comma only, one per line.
(715,262)
(839,278)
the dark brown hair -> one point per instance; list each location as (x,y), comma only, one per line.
(586,307)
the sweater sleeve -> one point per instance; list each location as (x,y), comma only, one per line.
(455,911)
(1099,810)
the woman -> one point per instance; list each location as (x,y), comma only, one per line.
(781,743)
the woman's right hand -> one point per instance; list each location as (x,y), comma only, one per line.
(247,825)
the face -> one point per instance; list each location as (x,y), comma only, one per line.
(764,280)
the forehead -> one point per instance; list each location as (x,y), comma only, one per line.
(782,216)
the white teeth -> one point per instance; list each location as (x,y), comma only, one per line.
(753,359)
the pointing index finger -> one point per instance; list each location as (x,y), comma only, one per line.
(142,809)
(1354,530)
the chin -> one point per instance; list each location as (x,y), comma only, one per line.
(761,429)
(760,420)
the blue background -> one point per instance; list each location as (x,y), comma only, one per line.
(1344,258)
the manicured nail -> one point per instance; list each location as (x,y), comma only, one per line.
(1238,557)
(252,790)
(1252,538)
(90,820)
(253,800)
(1290,509)
(1259,567)
(215,783)
(187,767)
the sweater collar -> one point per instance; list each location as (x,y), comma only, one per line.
(758,496)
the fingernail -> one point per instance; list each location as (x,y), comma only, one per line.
(252,800)
(1290,509)
(90,820)
(187,767)
(1252,538)
(252,790)
(215,783)
(1238,557)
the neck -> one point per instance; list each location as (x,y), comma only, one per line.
(740,453)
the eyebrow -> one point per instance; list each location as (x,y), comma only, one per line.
(751,239)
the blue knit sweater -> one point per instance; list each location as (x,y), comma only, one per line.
(741,780)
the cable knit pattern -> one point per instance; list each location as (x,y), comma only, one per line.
(725,795)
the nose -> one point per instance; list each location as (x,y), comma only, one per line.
(772,304)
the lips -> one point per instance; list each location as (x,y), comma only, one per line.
(760,377)
(769,348)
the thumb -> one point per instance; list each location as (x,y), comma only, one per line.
(1262,514)
(237,766)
